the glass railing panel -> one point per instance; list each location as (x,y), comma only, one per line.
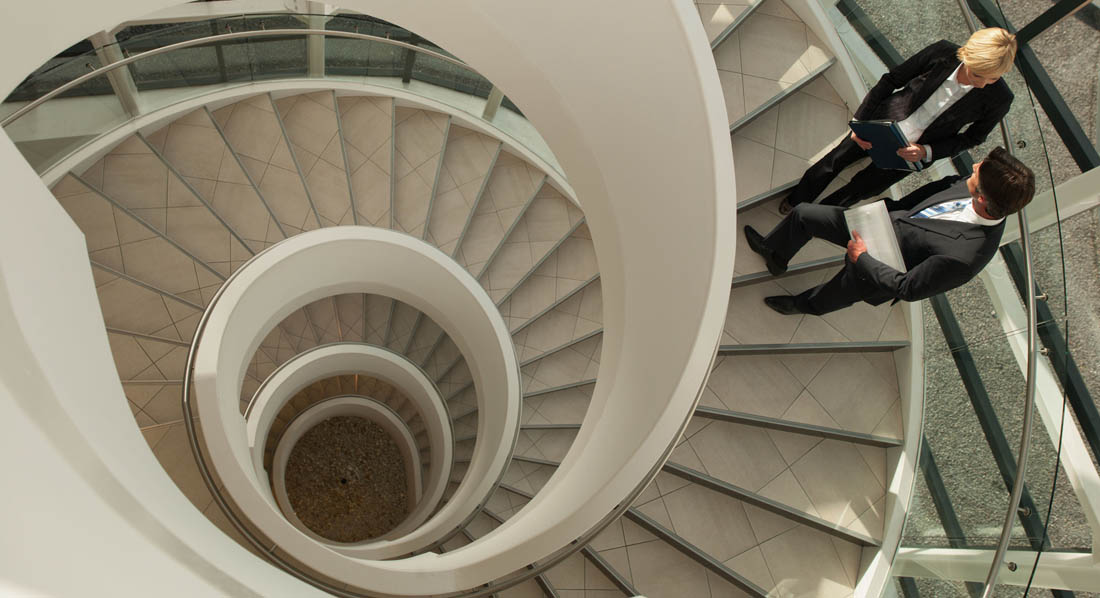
(346,57)
(876,34)
(53,75)
(59,126)
(964,502)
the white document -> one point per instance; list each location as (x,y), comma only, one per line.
(872,222)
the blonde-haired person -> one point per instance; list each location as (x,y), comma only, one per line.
(933,95)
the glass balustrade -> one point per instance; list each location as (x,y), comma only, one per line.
(171,63)
(975,350)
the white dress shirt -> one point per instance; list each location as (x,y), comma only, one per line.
(942,99)
(967,214)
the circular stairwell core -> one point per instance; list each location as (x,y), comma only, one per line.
(346,480)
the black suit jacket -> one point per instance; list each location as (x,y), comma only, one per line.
(905,88)
(939,254)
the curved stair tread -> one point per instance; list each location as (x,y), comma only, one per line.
(422,341)
(312,127)
(366,127)
(563,407)
(571,318)
(377,318)
(400,327)
(420,136)
(194,149)
(570,267)
(511,186)
(546,222)
(572,364)
(254,133)
(855,392)
(468,160)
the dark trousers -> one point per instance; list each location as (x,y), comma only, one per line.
(805,222)
(869,182)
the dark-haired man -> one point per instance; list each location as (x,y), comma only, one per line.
(948,230)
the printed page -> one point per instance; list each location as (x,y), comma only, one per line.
(872,222)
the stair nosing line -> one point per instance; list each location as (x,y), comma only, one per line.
(612,574)
(773,506)
(312,326)
(194,192)
(435,347)
(693,552)
(808,348)
(389,323)
(803,268)
(455,394)
(550,427)
(151,337)
(762,198)
(366,325)
(792,427)
(347,164)
(435,184)
(511,228)
(736,23)
(336,316)
(556,304)
(477,200)
(782,95)
(125,210)
(294,158)
(247,175)
(453,365)
(393,163)
(547,391)
(535,461)
(412,333)
(146,285)
(542,260)
(562,347)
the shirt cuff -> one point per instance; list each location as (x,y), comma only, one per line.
(927,153)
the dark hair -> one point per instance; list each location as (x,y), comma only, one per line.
(1005,182)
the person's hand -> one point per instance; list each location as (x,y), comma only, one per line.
(856,247)
(861,143)
(912,153)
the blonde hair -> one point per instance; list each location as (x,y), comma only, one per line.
(989,52)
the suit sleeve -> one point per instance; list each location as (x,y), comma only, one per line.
(975,133)
(899,76)
(934,275)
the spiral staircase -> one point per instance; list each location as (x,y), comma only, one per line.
(777,486)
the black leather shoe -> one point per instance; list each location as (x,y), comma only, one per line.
(785,206)
(783,304)
(756,243)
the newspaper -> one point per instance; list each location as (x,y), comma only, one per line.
(872,222)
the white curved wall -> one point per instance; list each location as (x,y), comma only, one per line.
(641,141)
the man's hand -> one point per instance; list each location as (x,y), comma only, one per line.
(912,153)
(861,143)
(856,247)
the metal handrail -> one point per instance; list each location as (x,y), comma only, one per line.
(1029,384)
(223,37)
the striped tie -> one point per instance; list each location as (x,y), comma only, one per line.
(946,207)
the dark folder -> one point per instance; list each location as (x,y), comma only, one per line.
(886,139)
